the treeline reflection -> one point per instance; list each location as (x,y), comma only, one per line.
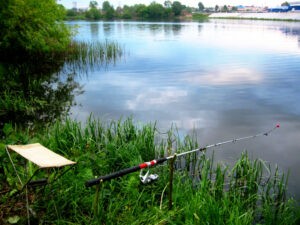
(36,92)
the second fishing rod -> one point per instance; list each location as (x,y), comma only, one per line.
(154,162)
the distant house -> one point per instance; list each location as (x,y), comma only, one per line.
(279,9)
(293,7)
(241,8)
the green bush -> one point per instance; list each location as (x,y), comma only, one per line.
(32,27)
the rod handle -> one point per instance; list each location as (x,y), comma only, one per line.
(123,172)
(119,173)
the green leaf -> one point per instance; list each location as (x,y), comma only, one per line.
(7,129)
(12,192)
(2,150)
(13,219)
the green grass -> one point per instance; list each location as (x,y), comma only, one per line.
(204,192)
(200,16)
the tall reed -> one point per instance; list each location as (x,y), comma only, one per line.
(86,56)
(204,192)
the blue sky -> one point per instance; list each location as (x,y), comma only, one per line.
(193,3)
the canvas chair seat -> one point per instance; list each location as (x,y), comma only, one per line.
(41,156)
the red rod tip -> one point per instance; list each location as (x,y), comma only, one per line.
(277,125)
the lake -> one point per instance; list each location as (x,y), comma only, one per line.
(222,78)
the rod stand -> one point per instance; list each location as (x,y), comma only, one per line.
(96,199)
(171,180)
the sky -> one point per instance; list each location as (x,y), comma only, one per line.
(193,3)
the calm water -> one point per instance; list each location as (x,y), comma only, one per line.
(223,78)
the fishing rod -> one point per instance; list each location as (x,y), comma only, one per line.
(145,179)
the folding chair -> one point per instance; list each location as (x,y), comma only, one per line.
(43,158)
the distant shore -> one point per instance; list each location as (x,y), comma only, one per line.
(288,16)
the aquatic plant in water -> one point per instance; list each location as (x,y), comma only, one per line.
(83,57)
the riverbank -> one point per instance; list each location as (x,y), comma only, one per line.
(246,193)
(289,16)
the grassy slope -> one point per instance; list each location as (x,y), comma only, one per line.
(203,193)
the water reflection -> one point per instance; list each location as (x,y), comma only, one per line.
(225,79)
(155,28)
(231,76)
(94,30)
(176,28)
(291,30)
(107,29)
(35,94)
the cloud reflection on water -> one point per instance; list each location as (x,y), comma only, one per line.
(225,76)
(226,80)
(150,99)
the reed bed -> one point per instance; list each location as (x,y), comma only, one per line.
(87,56)
(204,192)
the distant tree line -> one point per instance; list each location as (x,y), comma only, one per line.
(155,10)
(169,10)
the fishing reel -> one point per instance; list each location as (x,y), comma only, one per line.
(147,178)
